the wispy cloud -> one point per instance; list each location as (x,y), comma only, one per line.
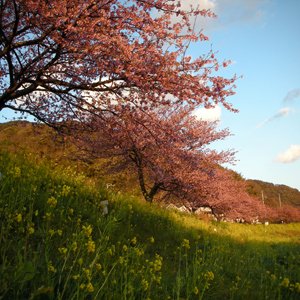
(283,112)
(290,155)
(291,95)
(228,12)
(208,114)
(241,11)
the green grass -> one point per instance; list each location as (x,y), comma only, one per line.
(56,244)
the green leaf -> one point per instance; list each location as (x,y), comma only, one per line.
(26,272)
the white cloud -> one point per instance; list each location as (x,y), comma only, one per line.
(283,112)
(240,11)
(290,155)
(203,4)
(208,114)
(291,95)
(227,11)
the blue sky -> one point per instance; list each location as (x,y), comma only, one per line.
(262,39)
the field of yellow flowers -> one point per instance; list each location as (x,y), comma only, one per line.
(57,243)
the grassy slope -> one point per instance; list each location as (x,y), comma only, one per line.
(45,144)
(20,135)
(56,244)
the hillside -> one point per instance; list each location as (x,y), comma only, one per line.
(44,142)
(57,243)
(47,144)
(274,194)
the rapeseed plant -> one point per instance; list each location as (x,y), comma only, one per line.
(70,251)
(285,283)
(19,218)
(31,230)
(52,202)
(90,287)
(90,247)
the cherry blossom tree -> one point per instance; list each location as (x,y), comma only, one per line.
(177,162)
(117,75)
(286,214)
(55,51)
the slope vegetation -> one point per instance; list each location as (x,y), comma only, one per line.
(47,144)
(56,242)
(274,195)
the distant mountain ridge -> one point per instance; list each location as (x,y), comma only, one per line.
(20,135)
(274,194)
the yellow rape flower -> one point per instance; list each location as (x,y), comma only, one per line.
(48,216)
(31,230)
(19,218)
(209,275)
(74,246)
(139,252)
(186,244)
(285,283)
(51,268)
(65,190)
(89,287)
(145,284)
(273,277)
(17,172)
(51,231)
(90,246)
(63,250)
(87,272)
(52,202)
(157,263)
(87,230)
